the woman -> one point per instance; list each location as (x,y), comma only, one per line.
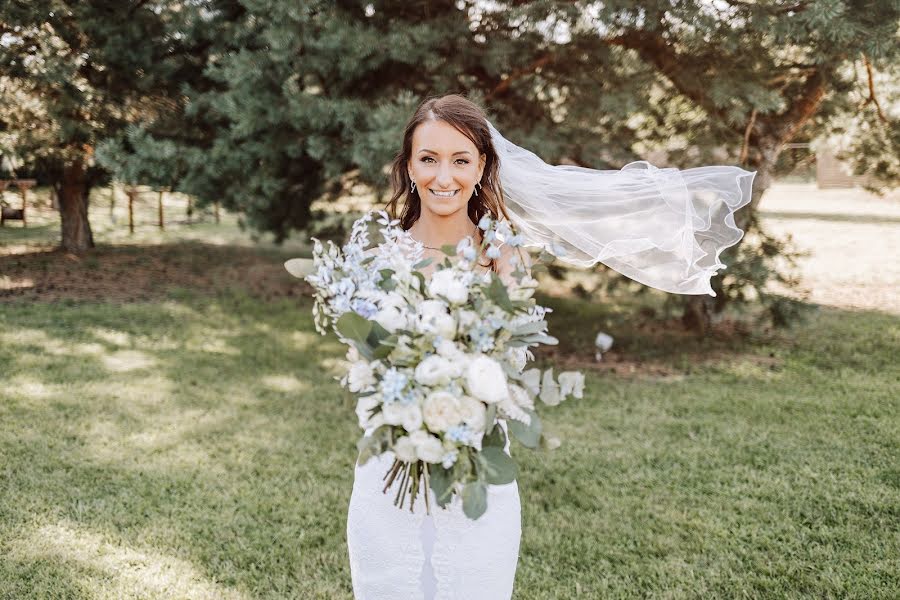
(447,174)
(665,228)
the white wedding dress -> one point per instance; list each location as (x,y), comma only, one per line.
(398,555)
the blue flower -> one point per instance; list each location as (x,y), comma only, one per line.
(392,385)
(460,433)
(364,308)
(485,223)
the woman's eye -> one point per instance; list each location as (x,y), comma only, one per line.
(427,159)
(463,161)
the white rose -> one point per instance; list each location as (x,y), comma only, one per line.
(456,358)
(391,318)
(448,349)
(473,413)
(393,412)
(428,448)
(441,411)
(412,417)
(448,284)
(360,377)
(434,370)
(433,318)
(405,449)
(486,380)
(571,383)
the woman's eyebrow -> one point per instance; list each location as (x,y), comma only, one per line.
(433,152)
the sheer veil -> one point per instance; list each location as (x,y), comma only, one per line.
(663,227)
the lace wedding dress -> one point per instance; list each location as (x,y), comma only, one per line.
(398,555)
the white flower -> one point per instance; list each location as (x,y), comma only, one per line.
(434,370)
(441,411)
(571,383)
(412,417)
(449,284)
(405,449)
(509,409)
(433,318)
(360,377)
(468,318)
(364,406)
(525,289)
(393,412)
(352,354)
(518,357)
(473,413)
(486,380)
(520,396)
(428,448)
(603,342)
(391,318)
(549,389)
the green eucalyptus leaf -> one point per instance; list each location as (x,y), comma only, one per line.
(474,498)
(441,482)
(495,438)
(527,435)
(498,467)
(354,327)
(449,249)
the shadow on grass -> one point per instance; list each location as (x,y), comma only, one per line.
(144,272)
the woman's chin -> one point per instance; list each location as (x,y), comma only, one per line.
(444,209)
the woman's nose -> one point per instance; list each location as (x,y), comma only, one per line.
(444,179)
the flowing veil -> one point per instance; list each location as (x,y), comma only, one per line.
(662,227)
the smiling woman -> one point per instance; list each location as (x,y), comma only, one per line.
(446,174)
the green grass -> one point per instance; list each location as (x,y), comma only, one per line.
(195,445)
(198,447)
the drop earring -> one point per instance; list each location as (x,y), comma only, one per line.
(477,187)
(412,187)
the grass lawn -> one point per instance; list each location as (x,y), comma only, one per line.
(188,441)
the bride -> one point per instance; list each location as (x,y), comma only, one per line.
(447,174)
(663,227)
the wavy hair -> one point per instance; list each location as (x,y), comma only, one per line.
(468,119)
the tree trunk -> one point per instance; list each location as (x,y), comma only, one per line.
(73,209)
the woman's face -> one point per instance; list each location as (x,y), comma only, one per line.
(445,165)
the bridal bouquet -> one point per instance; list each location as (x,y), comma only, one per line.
(438,363)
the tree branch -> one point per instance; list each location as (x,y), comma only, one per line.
(503,87)
(746,145)
(653,48)
(872,99)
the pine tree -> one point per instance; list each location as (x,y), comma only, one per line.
(75,73)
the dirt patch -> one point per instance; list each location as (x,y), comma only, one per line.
(139,273)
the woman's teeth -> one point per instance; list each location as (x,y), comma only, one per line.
(449,194)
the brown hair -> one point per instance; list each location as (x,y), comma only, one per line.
(469,119)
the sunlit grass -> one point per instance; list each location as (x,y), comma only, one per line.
(199,447)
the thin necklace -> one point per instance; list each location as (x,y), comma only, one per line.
(441,249)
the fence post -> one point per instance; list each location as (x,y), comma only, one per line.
(162,224)
(131,193)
